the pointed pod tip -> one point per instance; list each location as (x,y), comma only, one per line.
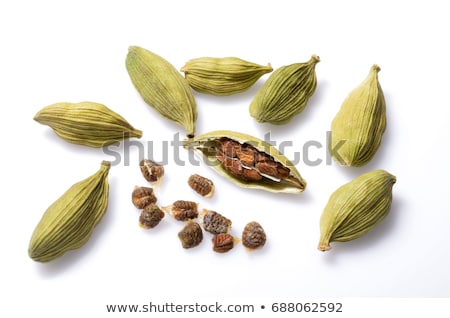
(106,164)
(324,247)
(315,58)
(375,68)
(137,133)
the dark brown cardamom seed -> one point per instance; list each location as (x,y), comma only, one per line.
(215,223)
(143,196)
(223,242)
(253,236)
(201,185)
(191,235)
(150,216)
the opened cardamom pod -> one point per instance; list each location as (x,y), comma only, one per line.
(360,123)
(356,207)
(69,222)
(247,161)
(162,87)
(86,123)
(285,93)
(222,76)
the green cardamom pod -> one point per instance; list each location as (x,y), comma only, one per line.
(222,76)
(162,87)
(356,207)
(247,161)
(86,123)
(68,223)
(358,127)
(285,93)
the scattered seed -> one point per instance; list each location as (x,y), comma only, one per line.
(143,196)
(201,185)
(215,223)
(183,210)
(150,216)
(222,242)
(191,235)
(151,171)
(253,236)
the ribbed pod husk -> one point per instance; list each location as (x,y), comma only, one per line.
(162,87)
(356,207)
(86,123)
(68,223)
(207,147)
(285,93)
(222,76)
(360,123)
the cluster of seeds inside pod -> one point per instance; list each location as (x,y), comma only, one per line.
(191,235)
(247,162)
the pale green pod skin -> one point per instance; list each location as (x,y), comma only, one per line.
(222,76)
(162,87)
(204,147)
(86,123)
(285,94)
(68,223)
(356,207)
(360,123)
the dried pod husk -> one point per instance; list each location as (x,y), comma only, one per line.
(285,93)
(152,171)
(190,235)
(358,127)
(253,236)
(356,207)
(182,210)
(247,161)
(68,223)
(143,196)
(222,76)
(214,222)
(150,216)
(86,123)
(201,185)
(162,87)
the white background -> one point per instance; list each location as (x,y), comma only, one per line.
(53,51)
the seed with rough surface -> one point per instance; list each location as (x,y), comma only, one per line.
(183,210)
(223,242)
(215,223)
(151,171)
(150,216)
(253,236)
(201,185)
(191,235)
(143,196)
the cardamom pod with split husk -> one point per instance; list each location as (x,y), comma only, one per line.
(68,223)
(86,123)
(162,87)
(222,76)
(356,207)
(247,161)
(285,93)
(360,123)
